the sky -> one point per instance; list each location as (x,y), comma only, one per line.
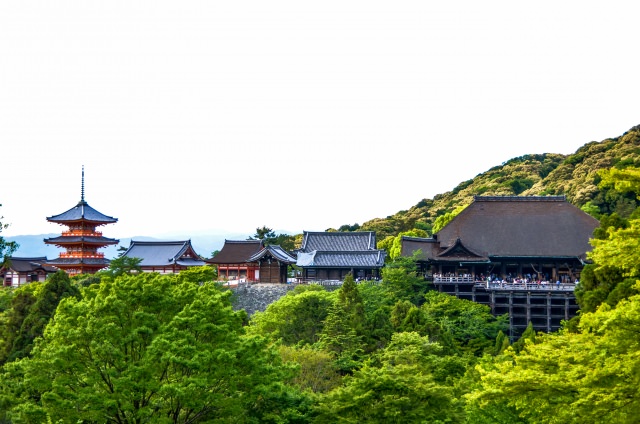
(206,116)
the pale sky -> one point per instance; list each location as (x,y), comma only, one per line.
(192,116)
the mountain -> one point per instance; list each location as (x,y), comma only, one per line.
(204,244)
(575,176)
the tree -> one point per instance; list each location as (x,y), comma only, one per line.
(295,319)
(6,247)
(32,310)
(398,386)
(146,348)
(396,247)
(443,220)
(123,265)
(590,376)
(269,237)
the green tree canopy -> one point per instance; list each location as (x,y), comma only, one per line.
(145,348)
(592,376)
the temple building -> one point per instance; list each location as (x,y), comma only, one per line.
(164,257)
(521,256)
(81,240)
(18,271)
(333,255)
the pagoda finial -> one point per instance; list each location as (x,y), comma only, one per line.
(82,187)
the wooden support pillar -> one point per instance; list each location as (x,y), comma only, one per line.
(549,312)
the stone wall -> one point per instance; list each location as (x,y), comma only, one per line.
(256,297)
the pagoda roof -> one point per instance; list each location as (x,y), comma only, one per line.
(96,240)
(338,241)
(82,212)
(274,251)
(164,253)
(19,264)
(237,251)
(79,261)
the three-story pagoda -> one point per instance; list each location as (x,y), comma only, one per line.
(81,240)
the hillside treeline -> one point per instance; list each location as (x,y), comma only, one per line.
(122,346)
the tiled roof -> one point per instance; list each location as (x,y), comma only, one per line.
(29,264)
(82,211)
(275,251)
(359,259)
(236,251)
(429,247)
(62,240)
(338,241)
(164,253)
(513,226)
(78,261)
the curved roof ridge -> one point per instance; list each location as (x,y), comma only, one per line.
(558,198)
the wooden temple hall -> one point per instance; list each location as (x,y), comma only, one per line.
(521,256)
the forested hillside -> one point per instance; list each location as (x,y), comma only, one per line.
(575,176)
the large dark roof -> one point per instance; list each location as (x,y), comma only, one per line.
(64,240)
(275,251)
(29,264)
(164,253)
(236,251)
(338,241)
(82,212)
(513,226)
(353,259)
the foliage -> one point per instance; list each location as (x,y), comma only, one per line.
(460,326)
(590,376)
(621,249)
(317,370)
(343,331)
(294,319)
(395,249)
(31,310)
(269,237)
(577,176)
(401,282)
(6,247)
(147,348)
(444,219)
(398,386)
(123,265)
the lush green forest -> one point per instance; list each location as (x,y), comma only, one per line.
(124,347)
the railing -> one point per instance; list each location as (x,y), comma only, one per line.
(454,279)
(82,233)
(567,287)
(544,285)
(81,255)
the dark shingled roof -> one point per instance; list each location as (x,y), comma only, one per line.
(429,247)
(82,212)
(338,241)
(98,241)
(512,226)
(78,261)
(236,251)
(164,253)
(275,251)
(357,259)
(29,264)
